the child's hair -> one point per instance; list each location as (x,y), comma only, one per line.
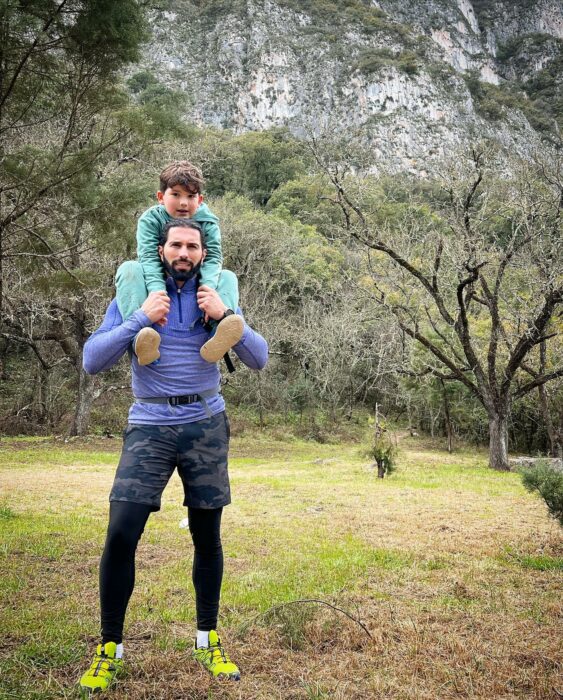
(181,172)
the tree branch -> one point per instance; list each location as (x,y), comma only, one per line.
(532,336)
(28,53)
(540,380)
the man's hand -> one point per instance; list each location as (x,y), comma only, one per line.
(156,307)
(210,303)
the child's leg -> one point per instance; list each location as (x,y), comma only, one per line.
(228,289)
(130,289)
(131,293)
(229,331)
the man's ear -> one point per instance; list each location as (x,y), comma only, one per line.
(161,252)
(203,254)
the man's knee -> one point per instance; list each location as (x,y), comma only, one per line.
(120,542)
(205,529)
(126,525)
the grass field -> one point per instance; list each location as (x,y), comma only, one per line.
(454,570)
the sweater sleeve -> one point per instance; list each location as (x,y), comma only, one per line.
(112,339)
(149,227)
(252,348)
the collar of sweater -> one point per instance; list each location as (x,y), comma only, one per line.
(189,286)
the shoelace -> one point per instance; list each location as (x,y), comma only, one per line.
(99,662)
(218,649)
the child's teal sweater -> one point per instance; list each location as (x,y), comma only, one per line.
(149,227)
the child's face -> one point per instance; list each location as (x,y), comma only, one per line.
(179,202)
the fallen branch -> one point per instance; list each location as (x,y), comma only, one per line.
(273,609)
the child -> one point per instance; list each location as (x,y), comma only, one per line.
(179,197)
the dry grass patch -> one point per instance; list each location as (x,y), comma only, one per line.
(455,570)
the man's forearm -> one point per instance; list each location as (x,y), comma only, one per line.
(110,342)
(252,349)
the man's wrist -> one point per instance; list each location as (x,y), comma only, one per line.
(142,318)
(228,312)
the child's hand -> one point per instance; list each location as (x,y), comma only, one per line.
(210,302)
(156,307)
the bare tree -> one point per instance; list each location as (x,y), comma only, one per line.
(475,280)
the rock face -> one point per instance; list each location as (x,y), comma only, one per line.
(394,72)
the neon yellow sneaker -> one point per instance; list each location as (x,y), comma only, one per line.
(102,672)
(215,660)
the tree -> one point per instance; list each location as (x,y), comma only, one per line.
(251,164)
(59,102)
(52,305)
(471,272)
(63,118)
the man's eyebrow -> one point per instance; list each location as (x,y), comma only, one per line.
(178,242)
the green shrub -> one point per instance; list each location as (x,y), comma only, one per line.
(548,482)
(408,63)
(384,453)
(372,60)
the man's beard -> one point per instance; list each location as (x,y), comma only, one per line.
(181,275)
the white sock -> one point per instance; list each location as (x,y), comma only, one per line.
(119,651)
(202,639)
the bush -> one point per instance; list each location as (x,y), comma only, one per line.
(384,452)
(548,482)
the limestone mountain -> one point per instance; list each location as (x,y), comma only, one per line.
(411,78)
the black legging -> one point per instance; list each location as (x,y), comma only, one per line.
(117,568)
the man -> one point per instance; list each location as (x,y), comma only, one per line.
(177,420)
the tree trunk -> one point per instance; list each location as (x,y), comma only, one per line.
(42,394)
(380,469)
(85,398)
(447,417)
(544,404)
(498,442)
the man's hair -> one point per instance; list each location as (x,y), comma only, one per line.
(181,223)
(182,172)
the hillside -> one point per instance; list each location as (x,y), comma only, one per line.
(411,79)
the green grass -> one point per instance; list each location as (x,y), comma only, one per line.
(539,562)
(440,559)
(59,456)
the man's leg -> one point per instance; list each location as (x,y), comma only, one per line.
(203,452)
(207,571)
(207,575)
(117,568)
(148,459)
(117,579)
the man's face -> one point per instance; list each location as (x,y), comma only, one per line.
(182,251)
(179,202)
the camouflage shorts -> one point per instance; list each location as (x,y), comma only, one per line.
(151,453)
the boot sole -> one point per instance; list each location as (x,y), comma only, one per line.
(228,333)
(146,347)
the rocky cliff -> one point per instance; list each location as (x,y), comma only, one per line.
(412,78)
